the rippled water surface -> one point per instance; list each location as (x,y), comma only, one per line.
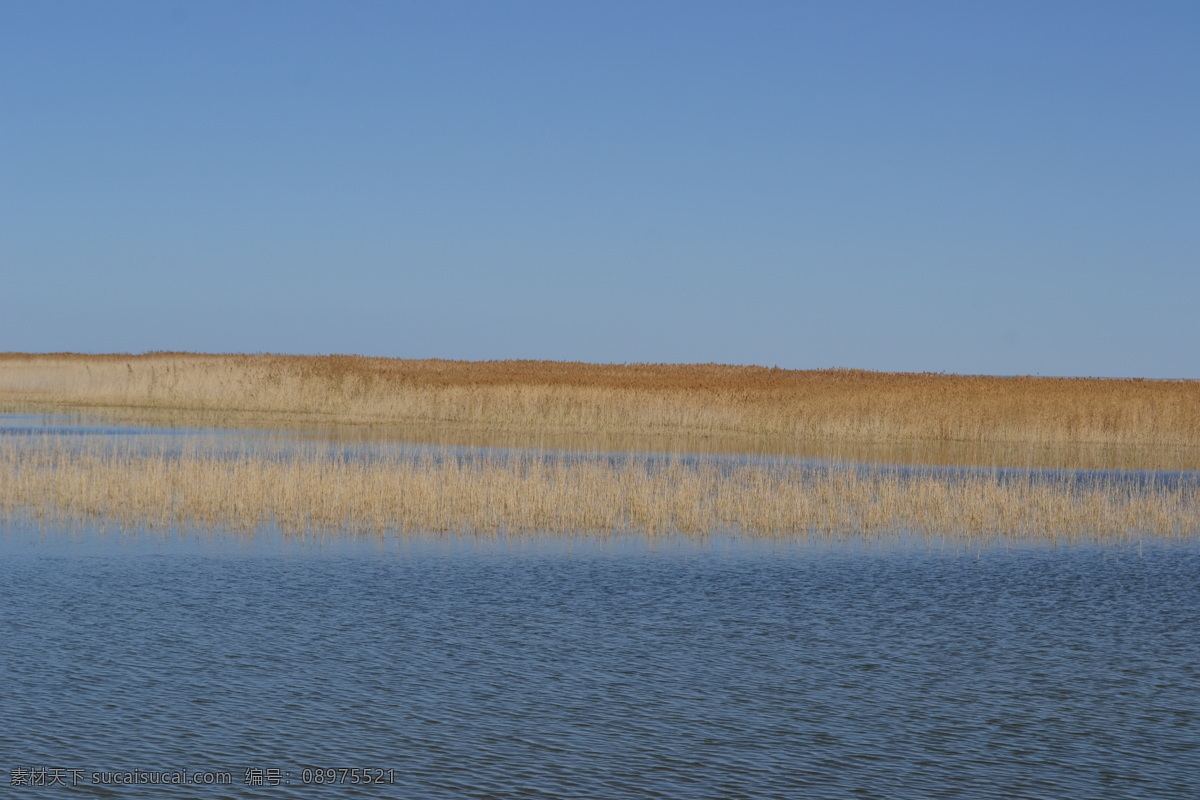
(600,670)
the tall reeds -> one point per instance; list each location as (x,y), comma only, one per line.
(527,397)
(59,479)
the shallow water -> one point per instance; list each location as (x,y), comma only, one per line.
(207,426)
(90,434)
(601,669)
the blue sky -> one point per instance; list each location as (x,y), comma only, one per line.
(1005,188)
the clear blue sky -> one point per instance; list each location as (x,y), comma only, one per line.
(1006,187)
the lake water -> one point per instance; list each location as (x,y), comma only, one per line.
(455,667)
(553,668)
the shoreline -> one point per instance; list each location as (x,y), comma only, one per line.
(754,408)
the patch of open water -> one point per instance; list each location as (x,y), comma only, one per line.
(612,668)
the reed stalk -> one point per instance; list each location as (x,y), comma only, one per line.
(61,479)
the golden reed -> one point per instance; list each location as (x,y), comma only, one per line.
(537,397)
(55,479)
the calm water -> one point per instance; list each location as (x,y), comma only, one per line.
(166,433)
(593,670)
(90,435)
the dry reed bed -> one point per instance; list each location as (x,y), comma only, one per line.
(530,397)
(54,480)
